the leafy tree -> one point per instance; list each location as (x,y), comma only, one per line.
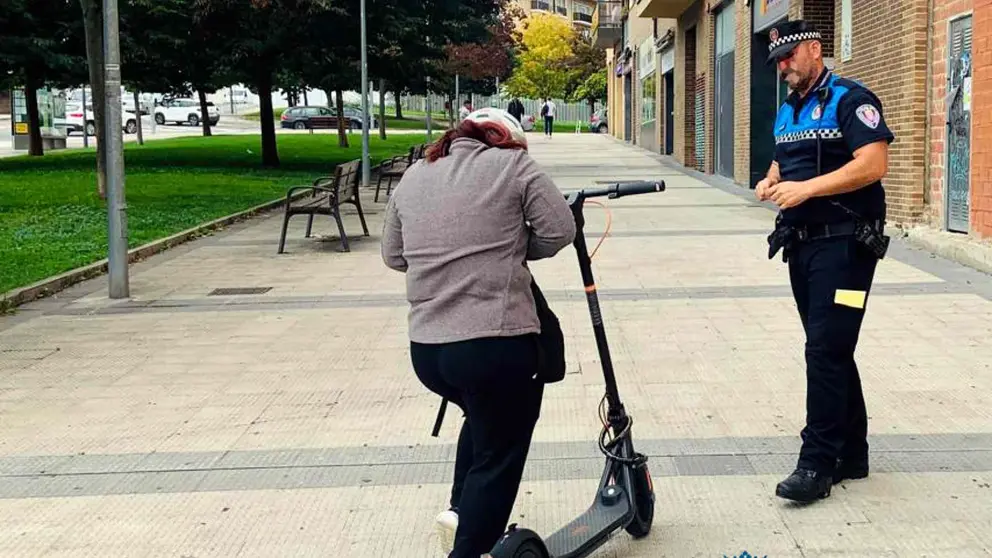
(166,48)
(543,63)
(587,72)
(480,63)
(257,38)
(433,30)
(593,89)
(38,48)
(93,33)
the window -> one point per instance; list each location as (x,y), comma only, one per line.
(648,87)
(582,12)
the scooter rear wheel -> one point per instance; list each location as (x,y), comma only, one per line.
(519,543)
(530,549)
(640,526)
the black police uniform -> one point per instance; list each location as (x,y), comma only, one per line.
(831,265)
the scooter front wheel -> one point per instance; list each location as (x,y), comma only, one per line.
(640,525)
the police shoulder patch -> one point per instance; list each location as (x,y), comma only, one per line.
(868,115)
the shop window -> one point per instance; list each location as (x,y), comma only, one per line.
(649,86)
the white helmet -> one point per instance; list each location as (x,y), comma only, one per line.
(503,118)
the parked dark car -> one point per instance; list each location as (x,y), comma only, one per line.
(303,118)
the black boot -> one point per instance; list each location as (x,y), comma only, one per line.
(856,469)
(804,485)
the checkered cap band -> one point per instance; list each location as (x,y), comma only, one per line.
(794,38)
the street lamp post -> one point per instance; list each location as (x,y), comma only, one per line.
(114,150)
(365,105)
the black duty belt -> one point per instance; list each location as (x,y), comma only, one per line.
(816,231)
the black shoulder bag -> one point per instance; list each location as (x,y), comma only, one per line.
(550,342)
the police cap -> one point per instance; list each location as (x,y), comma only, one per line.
(785,37)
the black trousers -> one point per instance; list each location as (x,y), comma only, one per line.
(836,418)
(492,381)
(549,125)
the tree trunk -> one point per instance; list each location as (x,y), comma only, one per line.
(399,107)
(451,111)
(137,118)
(339,103)
(306,101)
(35,147)
(204,113)
(93,25)
(270,153)
(382,108)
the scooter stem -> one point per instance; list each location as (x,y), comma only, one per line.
(617,415)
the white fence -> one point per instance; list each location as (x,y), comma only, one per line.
(565,112)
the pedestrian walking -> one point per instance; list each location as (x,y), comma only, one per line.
(516,109)
(462,225)
(831,152)
(465,110)
(548,112)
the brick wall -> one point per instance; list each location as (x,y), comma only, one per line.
(659,106)
(705,64)
(889,56)
(981,114)
(821,14)
(742,101)
(943,12)
(684,119)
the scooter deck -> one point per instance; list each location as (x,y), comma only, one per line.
(588,531)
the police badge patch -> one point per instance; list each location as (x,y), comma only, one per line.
(817,112)
(868,115)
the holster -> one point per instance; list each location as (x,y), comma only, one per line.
(781,238)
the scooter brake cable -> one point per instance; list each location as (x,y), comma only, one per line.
(609,223)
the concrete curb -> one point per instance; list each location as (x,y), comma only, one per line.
(51,285)
(959,248)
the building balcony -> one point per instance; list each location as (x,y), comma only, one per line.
(581,18)
(607,23)
(541,5)
(665,9)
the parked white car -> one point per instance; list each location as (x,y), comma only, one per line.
(74,120)
(181,111)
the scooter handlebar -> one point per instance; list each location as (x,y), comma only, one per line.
(634,188)
(621,189)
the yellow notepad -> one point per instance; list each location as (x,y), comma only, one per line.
(854,299)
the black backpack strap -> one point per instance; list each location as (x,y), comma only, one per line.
(440,417)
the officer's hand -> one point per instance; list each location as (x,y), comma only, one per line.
(789,194)
(761,190)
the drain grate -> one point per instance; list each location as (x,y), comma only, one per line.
(234,291)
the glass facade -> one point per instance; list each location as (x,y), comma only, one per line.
(649,85)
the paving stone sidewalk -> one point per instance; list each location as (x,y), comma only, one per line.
(183,423)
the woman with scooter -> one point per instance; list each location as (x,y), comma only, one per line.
(461,225)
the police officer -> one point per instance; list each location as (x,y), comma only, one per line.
(831,151)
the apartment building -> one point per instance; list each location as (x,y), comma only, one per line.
(928,61)
(579,12)
(640,65)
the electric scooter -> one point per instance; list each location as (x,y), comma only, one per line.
(625,497)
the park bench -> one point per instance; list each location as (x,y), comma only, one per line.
(394,168)
(327,194)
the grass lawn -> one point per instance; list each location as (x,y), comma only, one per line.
(52,220)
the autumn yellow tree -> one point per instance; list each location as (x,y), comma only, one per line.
(542,62)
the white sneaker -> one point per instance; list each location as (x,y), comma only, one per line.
(446,525)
